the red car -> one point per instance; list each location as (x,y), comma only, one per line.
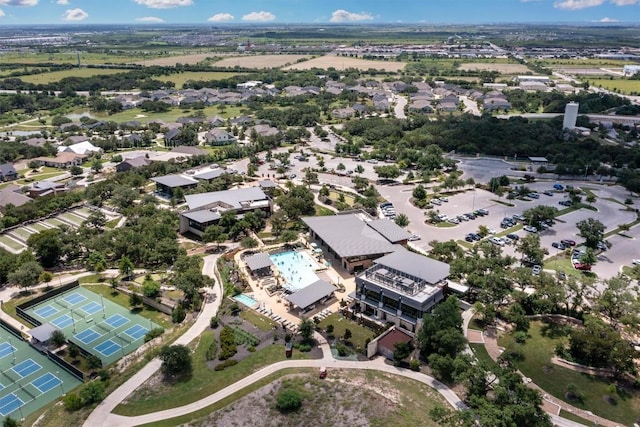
(568,242)
(582,266)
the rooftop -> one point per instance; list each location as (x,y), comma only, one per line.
(311,294)
(390,230)
(174,181)
(236,198)
(258,261)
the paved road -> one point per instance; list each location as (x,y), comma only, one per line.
(398,109)
(101,415)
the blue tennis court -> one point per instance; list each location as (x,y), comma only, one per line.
(46,382)
(75,298)
(91,308)
(1,386)
(6,349)
(108,348)
(88,335)
(9,403)
(26,368)
(116,320)
(136,331)
(62,321)
(46,311)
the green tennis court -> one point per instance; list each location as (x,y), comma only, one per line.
(29,380)
(97,325)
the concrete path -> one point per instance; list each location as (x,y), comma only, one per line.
(102,416)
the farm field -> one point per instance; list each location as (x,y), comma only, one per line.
(582,63)
(623,86)
(171,61)
(56,76)
(259,61)
(343,62)
(71,57)
(180,78)
(490,66)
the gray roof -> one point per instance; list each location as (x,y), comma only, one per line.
(230,197)
(349,236)
(538,159)
(188,149)
(43,332)
(267,183)
(311,294)
(7,169)
(258,261)
(11,195)
(137,162)
(413,264)
(390,230)
(174,181)
(210,174)
(201,216)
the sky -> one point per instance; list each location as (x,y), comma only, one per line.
(20,12)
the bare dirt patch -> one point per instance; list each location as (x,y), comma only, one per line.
(342,63)
(182,59)
(259,61)
(501,68)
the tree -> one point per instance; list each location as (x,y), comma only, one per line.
(211,233)
(347,334)
(306,329)
(126,267)
(176,360)
(47,246)
(10,422)
(529,247)
(27,275)
(134,299)
(359,169)
(539,215)
(75,170)
(401,350)
(590,198)
(341,167)
(288,400)
(248,243)
(73,351)
(402,220)
(57,338)
(387,171)
(310,177)
(150,288)
(299,201)
(592,231)
(617,301)
(93,392)
(441,331)
(589,257)
(419,193)
(96,165)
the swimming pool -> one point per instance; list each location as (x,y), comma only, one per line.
(246,300)
(297,268)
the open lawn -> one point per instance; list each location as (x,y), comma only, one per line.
(623,86)
(56,76)
(359,334)
(322,211)
(348,199)
(7,241)
(71,57)
(155,396)
(538,350)
(259,61)
(343,62)
(481,354)
(171,115)
(123,300)
(582,63)
(500,68)
(180,78)
(563,263)
(261,322)
(171,61)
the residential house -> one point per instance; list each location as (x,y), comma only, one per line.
(84,148)
(494,104)
(136,162)
(35,142)
(12,195)
(343,113)
(168,184)
(189,150)
(45,188)
(171,136)
(219,137)
(62,160)
(8,172)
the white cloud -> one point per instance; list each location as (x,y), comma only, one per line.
(152,19)
(1,12)
(576,4)
(221,17)
(18,2)
(75,15)
(624,2)
(164,4)
(62,2)
(342,15)
(608,20)
(259,16)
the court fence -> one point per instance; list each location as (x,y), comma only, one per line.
(163,308)
(20,309)
(12,329)
(65,365)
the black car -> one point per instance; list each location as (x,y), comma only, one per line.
(559,246)
(564,203)
(468,238)
(471,216)
(514,237)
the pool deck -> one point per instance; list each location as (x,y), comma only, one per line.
(277,305)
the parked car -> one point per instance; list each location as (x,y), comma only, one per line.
(454,221)
(533,195)
(463,217)
(635,262)
(564,203)
(471,216)
(414,237)
(582,266)
(442,217)
(568,242)
(536,269)
(372,161)
(436,202)
(323,373)
(497,241)
(292,176)
(483,212)
(559,246)
(558,186)
(444,199)
(548,193)
(519,217)
(530,228)
(513,236)
(476,237)
(469,237)
(602,246)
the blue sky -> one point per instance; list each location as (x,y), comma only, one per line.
(16,12)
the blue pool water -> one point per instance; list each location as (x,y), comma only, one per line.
(246,300)
(297,268)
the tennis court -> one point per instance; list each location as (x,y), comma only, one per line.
(95,324)
(28,380)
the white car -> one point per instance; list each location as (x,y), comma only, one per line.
(414,237)
(536,269)
(497,241)
(635,262)
(530,229)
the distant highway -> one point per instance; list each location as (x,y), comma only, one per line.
(592,117)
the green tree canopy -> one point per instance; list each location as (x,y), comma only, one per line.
(176,360)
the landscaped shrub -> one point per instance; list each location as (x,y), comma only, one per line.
(214,322)
(226,364)
(304,348)
(288,400)
(414,365)
(92,393)
(178,314)
(212,350)
(520,337)
(154,333)
(72,402)
(227,343)
(342,349)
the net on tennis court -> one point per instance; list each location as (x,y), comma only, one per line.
(78,314)
(4,374)
(62,303)
(28,392)
(126,340)
(102,327)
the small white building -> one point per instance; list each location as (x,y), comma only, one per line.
(570,116)
(631,70)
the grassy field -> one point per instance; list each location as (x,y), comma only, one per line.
(617,85)
(203,381)
(563,263)
(481,354)
(342,63)
(170,61)
(582,63)
(261,322)
(71,57)
(573,417)
(180,78)
(322,211)
(56,76)
(7,241)
(538,350)
(259,61)
(123,300)
(359,336)
(499,67)
(348,199)
(169,116)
